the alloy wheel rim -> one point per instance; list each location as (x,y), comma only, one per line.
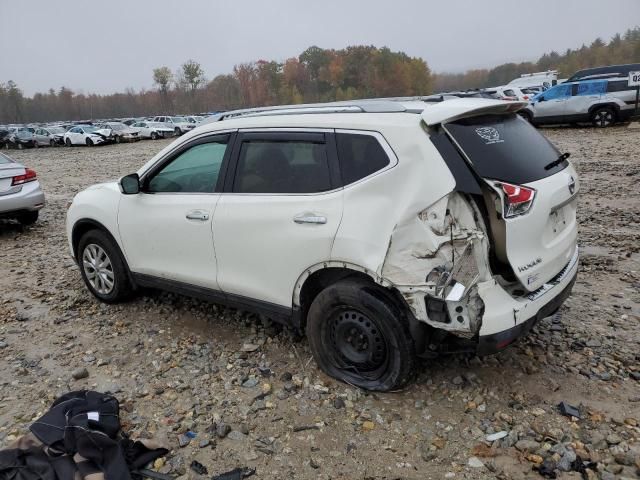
(604,118)
(98,269)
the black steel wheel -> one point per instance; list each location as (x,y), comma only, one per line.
(358,335)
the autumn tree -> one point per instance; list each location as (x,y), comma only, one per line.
(162,77)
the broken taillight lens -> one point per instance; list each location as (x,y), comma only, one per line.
(517,199)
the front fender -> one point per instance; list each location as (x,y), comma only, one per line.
(97,204)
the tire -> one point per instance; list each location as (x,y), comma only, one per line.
(92,248)
(359,336)
(35,145)
(177,132)
(154,135)
(52,143)
(20,146)
(603,117)
(67,142)
(89,142)
(28,218)
(526,115)
(116,139)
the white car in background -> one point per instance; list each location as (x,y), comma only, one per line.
(88,135)
(294,212)
(153,130)
(180,125)
(509,92)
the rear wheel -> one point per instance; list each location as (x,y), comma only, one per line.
(603,117)
(28,218)
(357,335)
(103,268)
(154,135)
(177,132)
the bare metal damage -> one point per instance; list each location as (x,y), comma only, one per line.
(442,253)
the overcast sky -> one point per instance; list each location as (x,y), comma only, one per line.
(105,46)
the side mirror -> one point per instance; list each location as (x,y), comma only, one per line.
(130,185)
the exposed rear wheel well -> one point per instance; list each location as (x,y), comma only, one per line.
(321,279)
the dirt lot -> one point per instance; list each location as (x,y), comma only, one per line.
(181,365)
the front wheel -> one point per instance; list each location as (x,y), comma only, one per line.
(52,143)
(154,136)
(89,142)
(603,117)
(103,268)
(360,337)
(177,132)
(67,142)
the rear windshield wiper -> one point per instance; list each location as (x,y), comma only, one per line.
(558,161)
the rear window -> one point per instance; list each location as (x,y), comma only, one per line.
(505,148)
(4,159)
(360,156)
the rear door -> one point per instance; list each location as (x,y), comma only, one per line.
(279,213)
(540,237)
(583,96)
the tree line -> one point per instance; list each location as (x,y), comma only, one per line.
(316,75)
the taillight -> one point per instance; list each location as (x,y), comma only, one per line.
(29,176)
(517,199)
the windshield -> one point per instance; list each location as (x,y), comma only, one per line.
(116,126)
(178,119)
(56,130)
(505,148)
(89,129)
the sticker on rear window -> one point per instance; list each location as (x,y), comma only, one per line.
(489,134)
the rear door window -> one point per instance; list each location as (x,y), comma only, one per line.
(360,155)
(505,148)
(298,165)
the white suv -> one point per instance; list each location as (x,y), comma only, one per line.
(180,125)
(384,229)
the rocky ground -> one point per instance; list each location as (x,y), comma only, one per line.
(228,389)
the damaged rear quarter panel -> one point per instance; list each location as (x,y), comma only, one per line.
(447,237)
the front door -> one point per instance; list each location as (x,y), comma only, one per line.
(278,215)
(166,228)
(551,105)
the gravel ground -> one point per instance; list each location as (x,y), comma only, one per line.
(253,396)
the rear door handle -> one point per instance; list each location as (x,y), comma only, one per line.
(310,218)
(198,215)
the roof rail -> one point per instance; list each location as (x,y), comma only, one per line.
(355,106)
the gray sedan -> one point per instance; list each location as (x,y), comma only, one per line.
(21,197)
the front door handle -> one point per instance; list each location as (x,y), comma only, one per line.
(198,215)
(310,218)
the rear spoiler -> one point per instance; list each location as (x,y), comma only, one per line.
(458,108)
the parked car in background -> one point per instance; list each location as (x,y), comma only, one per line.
(21,196)
(542,80)
(302,208)
(600,102)
(88,135)
(153,130)
(180,125)
(119,132)
(49,136)
(609,71)
(195,119)
(511,93)
(19,137)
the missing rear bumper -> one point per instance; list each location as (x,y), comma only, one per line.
(488,344)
